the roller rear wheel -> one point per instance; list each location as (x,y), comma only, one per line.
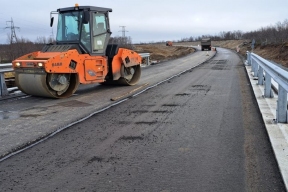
(130,75)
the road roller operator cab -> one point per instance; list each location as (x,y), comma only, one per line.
(81,54)
(87,27)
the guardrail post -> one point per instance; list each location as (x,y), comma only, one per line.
(148,61)
(281,112)
(268,93)
(260,76)
(249,58)
(254,67)
(3,87)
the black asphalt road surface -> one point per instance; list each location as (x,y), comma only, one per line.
(200,131)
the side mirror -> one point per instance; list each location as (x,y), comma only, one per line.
(52,18)
(51,21)
(86,17)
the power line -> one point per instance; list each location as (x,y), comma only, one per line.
(13,37)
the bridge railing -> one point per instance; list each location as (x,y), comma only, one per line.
(146,56)
(265,71)
(4,68)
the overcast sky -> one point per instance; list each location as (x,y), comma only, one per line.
(149,20)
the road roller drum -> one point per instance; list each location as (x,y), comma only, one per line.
(47,85)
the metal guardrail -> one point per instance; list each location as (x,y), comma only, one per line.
(5,65)
(261,66)
(4,68)
(146,56)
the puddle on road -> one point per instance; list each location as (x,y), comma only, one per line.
(170,105)
(131,138)
(9,115)
(146,122)
(182,94)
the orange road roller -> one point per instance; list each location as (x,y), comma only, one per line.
(81,54)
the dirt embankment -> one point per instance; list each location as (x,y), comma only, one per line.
(161,52)
(276,53)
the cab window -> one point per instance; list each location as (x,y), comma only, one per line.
(99,32)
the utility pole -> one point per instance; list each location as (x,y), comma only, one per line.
(13,37)
(123,31)
(123,39)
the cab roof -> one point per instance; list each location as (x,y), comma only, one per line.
(88,8)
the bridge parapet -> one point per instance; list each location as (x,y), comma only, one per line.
(266,72)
